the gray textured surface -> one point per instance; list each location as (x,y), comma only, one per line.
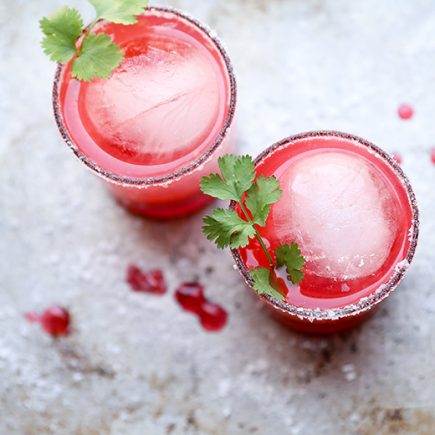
(136,364)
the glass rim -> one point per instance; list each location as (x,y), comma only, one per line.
(203,158)
(365,303)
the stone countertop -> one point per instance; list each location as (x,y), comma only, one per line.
(137,364)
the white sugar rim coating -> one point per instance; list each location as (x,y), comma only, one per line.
(366,302)
(163,180)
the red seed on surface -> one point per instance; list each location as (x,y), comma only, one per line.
(190,295)
(55,321)
(397,157)
(149,282)
(212,316)
(405,111)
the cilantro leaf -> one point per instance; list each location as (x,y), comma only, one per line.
(263,193)
(98,57)
(291,258)
(262,284)
(227,228)
(61,30)
(238,175)
(238,171)
(119,11)
(213,185)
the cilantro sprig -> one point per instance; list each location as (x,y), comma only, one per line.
(96,56)
(255,196)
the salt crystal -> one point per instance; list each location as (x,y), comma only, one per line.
(349,371)
(224,387)
(77,377)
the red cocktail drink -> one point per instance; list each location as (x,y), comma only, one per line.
(352,212)
(158,124)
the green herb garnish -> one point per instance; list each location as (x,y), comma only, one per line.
(237,182)
(96,55)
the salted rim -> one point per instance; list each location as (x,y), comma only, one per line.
(365,302)
(180,172)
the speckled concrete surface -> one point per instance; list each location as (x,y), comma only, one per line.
(136,364)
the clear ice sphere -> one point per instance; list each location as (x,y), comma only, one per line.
(340,210)
(159,105)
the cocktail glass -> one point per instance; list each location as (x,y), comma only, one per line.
(353,213)
(160,122)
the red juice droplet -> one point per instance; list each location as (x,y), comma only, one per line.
(32,317)
(55,321)
(405,111)
(432,156)
(190,296)
(397,157)
(149,282)
(212,316)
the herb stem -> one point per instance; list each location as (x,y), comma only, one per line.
(92,25)
(89,28)
(85,33)
(257,235)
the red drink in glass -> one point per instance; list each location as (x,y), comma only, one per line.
(158,124)
(352,212)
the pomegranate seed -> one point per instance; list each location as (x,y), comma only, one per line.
(213,317)
(55,321)
(397,157)
(405,111)
(190,295)
(150,282)
(432,155)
